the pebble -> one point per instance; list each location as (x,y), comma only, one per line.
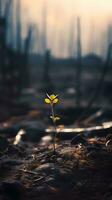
(47,168)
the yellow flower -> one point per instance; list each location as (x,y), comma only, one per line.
(51,99)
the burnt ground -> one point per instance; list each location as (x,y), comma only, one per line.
(31,171)
(79,170)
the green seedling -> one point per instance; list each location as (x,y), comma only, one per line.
(52,100)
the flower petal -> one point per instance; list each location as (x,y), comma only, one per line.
(52,96)
(47,101)
(55,100)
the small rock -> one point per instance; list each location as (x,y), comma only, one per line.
(50,180)
(47,168)
(43,161)
(59,160)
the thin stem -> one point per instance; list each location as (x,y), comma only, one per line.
(53,119)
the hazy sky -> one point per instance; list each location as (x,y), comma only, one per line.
(95,18)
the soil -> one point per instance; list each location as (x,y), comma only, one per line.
(33,171)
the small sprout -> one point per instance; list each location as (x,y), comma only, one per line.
(52,99)
(55,118)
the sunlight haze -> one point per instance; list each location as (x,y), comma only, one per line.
(61,15)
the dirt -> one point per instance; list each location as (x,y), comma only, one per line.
(33,171)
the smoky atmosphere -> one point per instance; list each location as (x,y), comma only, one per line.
(55,99)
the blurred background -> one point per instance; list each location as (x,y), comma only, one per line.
(62,47)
